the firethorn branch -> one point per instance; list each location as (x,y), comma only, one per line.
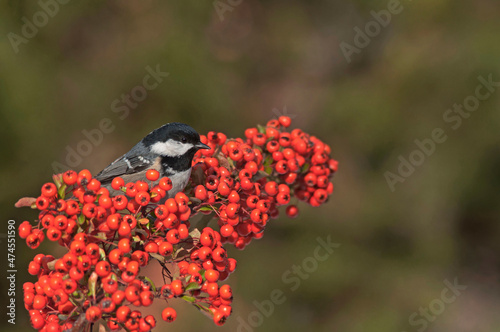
(239,183)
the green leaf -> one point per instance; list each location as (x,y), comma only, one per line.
(176,253)
(158,257)
(101,236)
(192,286)
(81,219)
(61,191)
(195,200)
(102,254)
(57,178)
(150,282)
(189,299)
(268,161)
(260,175)
(204,310)
(205,208)
(52,264)
(92,283)
(261,129)
(141,231)
(195,233)
(143,221)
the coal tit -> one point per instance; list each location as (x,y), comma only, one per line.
(169,150)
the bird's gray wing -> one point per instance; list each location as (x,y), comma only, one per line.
(123,166)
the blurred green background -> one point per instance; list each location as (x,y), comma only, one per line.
(233,64)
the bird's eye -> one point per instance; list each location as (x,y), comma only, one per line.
(184,139)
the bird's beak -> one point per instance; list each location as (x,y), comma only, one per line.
(202,146)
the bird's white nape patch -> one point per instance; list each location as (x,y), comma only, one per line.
(171,148)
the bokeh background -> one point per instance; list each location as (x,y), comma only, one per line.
(233,64)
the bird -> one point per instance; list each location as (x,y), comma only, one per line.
(169,150)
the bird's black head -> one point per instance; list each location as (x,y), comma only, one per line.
(174,140)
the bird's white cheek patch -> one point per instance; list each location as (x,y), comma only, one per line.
(171,148)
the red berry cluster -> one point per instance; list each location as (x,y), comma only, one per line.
(244,181)
(109,238)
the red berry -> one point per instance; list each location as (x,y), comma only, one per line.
(226,230)
(53,234)
(212,289)
(84,177)
(151,247)
(251,132)
(122,313)
(283,198)
(118,297)
(177,287)
(39,302)
(281,167)
(271,188)
(292,211)
(42,203)
(310,179)
(105,201)
(70,177)
(132,293)
(226,292)
(173,236)
(165,248)
(124,229)
(259,139)
(102,269)
(142,198)
(33,240)
(76,273)
(152,175)
(115,256)
(33,268)
(165,183)
(285,121)
(93,314)
(219,318)
(94,185)
(147,298)
(49,190)
(212,182)
(117,183)
(124,245)
(37,321)
(24,229)
(120,202)
(169,314)
(211,275)
(200,192)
